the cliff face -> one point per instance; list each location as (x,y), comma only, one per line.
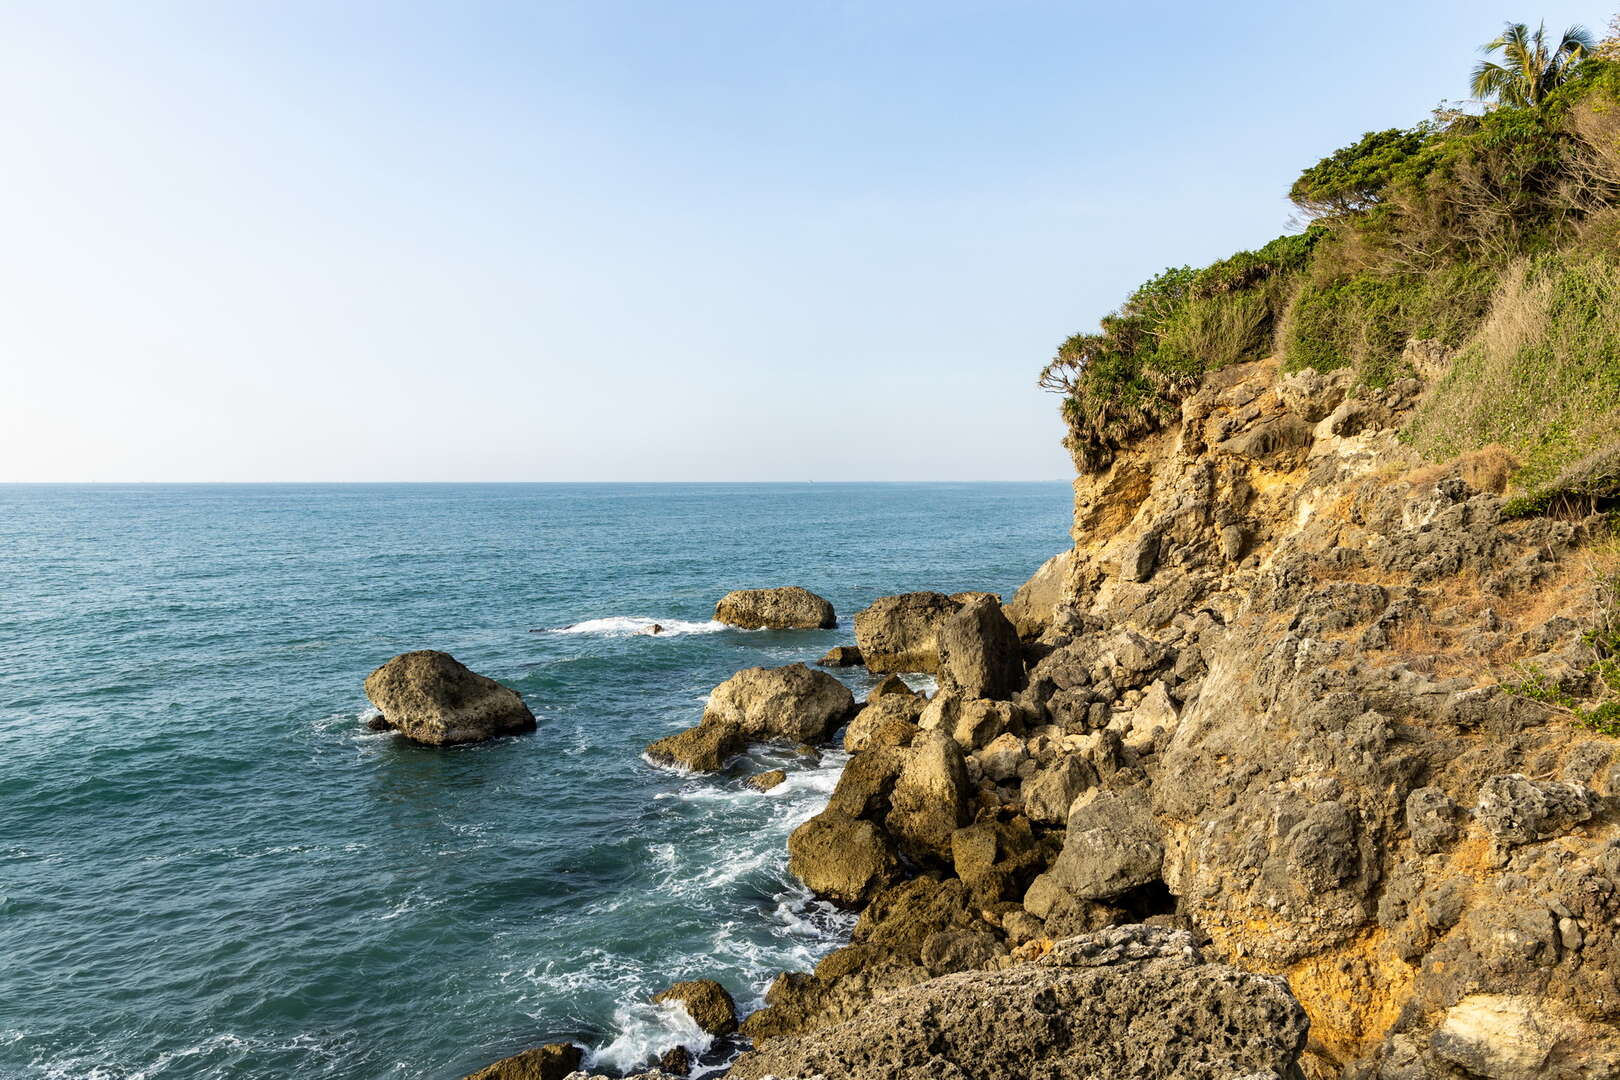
(1301,635)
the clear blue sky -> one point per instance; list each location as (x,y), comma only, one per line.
(348,240)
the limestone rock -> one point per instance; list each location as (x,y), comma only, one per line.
(704,748)
(1032,606)
(431,697)
(841,656)
(790,704)
(765,781)
(842,858)
(1050,793)
(1136,1001)
(1110,845)
(888,721)
(1000,759)
(930,797)
(707,1002)
(978,722)
(554,1061)
(789,608)
(897,633)
(979,651)
(677,1061)
(1517,810)
(890,684)
(867,782)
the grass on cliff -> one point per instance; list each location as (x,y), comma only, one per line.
(1541,377)
(1495,234)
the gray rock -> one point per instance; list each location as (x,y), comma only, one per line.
(1517,810)
(979,651)
(1137,1001)
(1110,845)
(1431,818)
(1049,795)
(1032,606)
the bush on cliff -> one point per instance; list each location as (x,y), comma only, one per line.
(1497,234)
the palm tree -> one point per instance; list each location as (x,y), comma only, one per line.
(1530,70)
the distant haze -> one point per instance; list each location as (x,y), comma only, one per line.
(612,241)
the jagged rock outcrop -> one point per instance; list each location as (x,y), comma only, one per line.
(706,1002)
(793,704)
(431,697)
(840,857)
(888,720)
(896,633)
(787,608)
(1034,605)
(979,652)
(1135,1001)
(554,1061)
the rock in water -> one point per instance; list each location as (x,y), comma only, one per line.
(793,703)
(841,858)
(1130,1001)
(431,697)
(707,1002)
(790,608)
(896,633)
(677,1061)
(550,1062)
(765,781)
(704,748)
(787,704)
(841,656)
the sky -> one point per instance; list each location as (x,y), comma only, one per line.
(346,240)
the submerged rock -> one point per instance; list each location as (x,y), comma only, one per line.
(554,1061)
(788,608)
(765,781)
(704,748)
(1133,1001)
(431,697)
(706,1001)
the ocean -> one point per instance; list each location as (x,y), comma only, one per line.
(209,868)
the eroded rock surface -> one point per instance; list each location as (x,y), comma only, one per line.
(787,608)
(431,697)
(792,704)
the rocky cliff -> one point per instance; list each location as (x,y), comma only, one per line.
(1295,692)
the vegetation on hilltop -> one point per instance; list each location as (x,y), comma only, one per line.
(1495,232)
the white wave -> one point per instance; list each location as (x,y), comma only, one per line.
(631,625)
(646,1031)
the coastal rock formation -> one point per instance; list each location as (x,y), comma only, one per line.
(706,1002)
(896,633)
(841,656)
(1135,1001)
(1300,696)
(765,781)
(790,704)
(431,697)
(840,857)
(1034,605)
(788,608)
(889,720)
(979,652)
(554,1061)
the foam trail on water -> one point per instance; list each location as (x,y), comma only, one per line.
(645,1031)
(630,625)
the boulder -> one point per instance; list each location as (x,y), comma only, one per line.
(887,721)
(1030,610)
(867,782)
(431,697)
(979,651)
(1517,810)
(677,1061)
(1050,793)
(554,1061)
(789,608)
(765,781)
(891,684)
(896,633)
(704,748)
(793,703)
(1130,1001)
(1000,758)
(930,799)
(841,858)
(706,1001)
(841,656)
(1110,845)
(979,723)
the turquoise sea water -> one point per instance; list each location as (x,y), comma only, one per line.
(209,868)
